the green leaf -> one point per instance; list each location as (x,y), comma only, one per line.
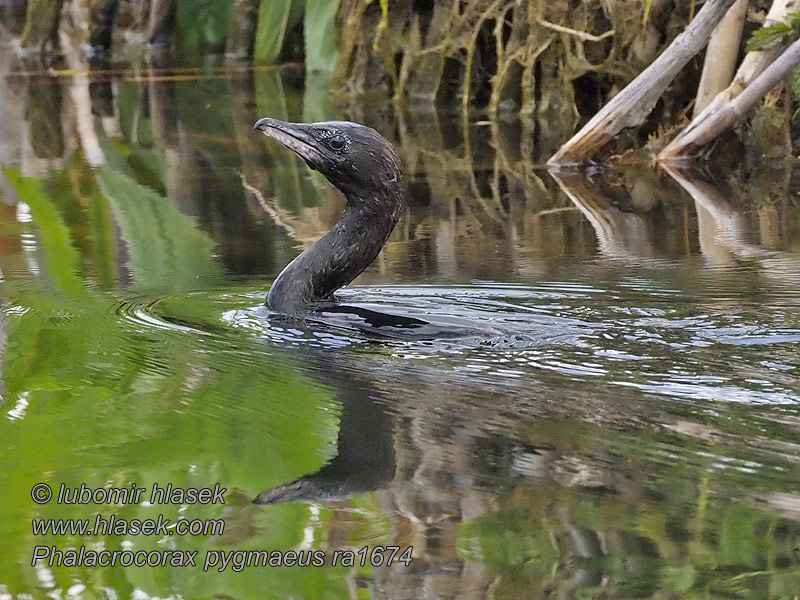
(202,25)
(794,82)
(646,16)
(768,37)
(164,244)
(275,18)
(320,35)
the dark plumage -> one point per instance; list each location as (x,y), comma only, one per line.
(364,166)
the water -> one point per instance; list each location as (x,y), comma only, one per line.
(628,427)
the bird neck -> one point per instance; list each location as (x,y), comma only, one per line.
(340,255)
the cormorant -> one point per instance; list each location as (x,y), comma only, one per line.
(364,166)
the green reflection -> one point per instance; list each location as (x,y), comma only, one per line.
(108,399)
(103,398)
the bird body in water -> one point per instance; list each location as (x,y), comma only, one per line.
(364,166)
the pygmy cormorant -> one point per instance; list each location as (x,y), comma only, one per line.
(364,166)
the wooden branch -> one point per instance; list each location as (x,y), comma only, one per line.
(588,37)
(752,66)
(724,118)
(631,106)
(719,65)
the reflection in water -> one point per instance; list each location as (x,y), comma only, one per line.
(631,428)
(619,234)
(363,463)
(503,492)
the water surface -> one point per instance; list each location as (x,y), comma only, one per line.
(629,429)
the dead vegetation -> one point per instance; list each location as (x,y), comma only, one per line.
(503,55)
(558,62)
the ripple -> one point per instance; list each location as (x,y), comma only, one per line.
(144,316)
(550,331)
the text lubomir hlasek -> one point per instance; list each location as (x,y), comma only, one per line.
(134,495)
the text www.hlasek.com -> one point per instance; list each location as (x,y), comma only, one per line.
(115,526)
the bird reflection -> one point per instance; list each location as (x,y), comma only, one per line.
(364,460)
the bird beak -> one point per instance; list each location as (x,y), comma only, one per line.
(296,137)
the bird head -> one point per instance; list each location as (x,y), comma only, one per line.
(354,158)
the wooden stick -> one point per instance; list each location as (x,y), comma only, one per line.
(722,53)
(574,32)
(631,106)
(752,66)
(736,109)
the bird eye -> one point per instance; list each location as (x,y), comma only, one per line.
(337,143)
